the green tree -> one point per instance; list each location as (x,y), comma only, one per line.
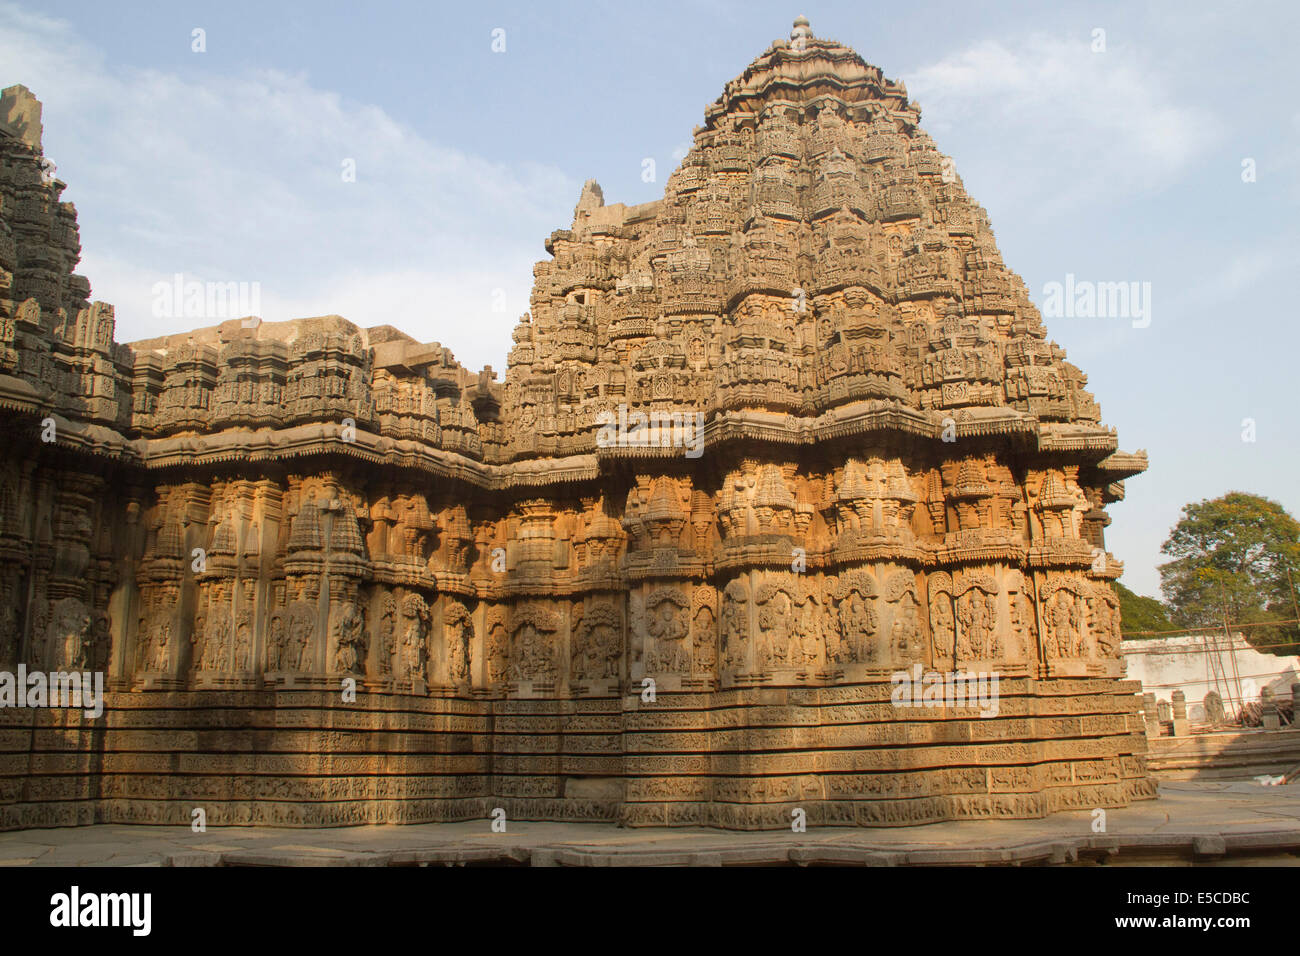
(1231,554)
(1141,613)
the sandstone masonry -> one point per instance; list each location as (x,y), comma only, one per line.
(895,468)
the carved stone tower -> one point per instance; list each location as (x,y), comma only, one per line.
(786,501)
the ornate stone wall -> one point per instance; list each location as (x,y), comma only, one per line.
(893,469)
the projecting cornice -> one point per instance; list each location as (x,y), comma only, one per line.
(881,421)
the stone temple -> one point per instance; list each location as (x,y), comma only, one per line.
(762,445)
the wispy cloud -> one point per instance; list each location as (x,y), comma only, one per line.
(1054,112)
(241,177)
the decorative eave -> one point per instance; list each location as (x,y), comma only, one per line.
(1077,439)
(19,395)
(22,398)
(242,445)
(1123,464)
(247,447)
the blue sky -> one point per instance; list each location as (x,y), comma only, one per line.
(1122,165)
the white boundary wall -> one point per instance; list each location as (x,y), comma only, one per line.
(1200,663)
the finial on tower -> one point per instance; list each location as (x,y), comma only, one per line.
(592,198)
(800,35)
(20,113)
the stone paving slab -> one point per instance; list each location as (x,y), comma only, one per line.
(1192,821)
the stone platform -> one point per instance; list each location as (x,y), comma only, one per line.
(1226,755)
(1191,823)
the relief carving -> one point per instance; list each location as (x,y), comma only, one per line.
(598,645)
(704,632)
(857,619)
(667,624)
(458,628)
(414,648)
(735,627)
(533,647)
(349,639)
(897,454)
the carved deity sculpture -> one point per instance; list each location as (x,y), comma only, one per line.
(941,623)
(302,628)
(858,623)
(734,627)
(68,632)
(275,644)
(498,653)
(1063,621)
(905,631)
(666,627)
(350,635)
(459,635)
(414,650)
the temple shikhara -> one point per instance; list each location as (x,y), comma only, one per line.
(865,458)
